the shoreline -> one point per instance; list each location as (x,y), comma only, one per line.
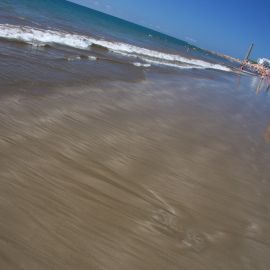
(255,68)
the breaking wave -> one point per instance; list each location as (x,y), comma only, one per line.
(137,64)
(81,57)
(42,37)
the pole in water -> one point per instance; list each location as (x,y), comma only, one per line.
(249,52)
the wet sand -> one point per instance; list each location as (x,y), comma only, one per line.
(168,173)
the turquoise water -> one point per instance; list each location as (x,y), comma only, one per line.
(63,14)
(58,41)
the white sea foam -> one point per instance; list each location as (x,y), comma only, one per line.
(137,64)
(168,64)
(39,36)
(36,36)
(93,58)
(73,58)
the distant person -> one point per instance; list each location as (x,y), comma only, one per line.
(243,64)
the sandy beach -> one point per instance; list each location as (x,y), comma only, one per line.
(167,173)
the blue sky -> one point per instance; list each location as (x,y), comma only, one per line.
(227,26)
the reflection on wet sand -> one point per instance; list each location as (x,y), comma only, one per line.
(260,84)
(162,174)
(267,135)
(263,85)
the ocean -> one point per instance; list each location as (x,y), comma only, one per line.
(124,148)
(56,38)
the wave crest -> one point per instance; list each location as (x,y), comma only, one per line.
(36,37)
